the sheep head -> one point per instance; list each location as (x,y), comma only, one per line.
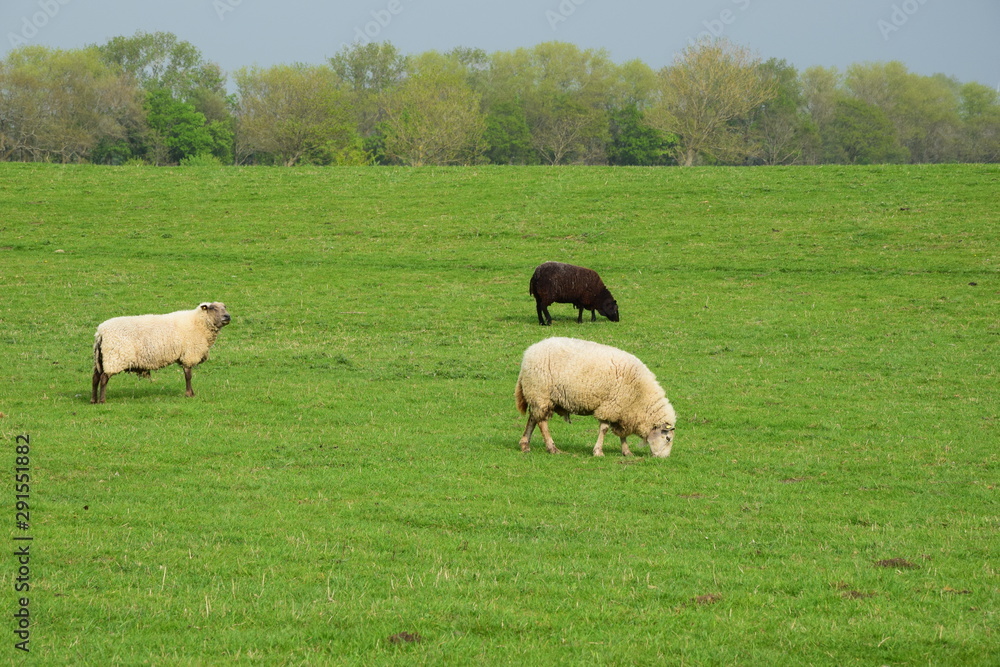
(608,307)
(661,440)
(215,313)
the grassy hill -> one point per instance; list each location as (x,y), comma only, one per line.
(348,471)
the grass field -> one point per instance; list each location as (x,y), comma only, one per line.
(346,487)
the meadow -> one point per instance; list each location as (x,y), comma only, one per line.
(346,486)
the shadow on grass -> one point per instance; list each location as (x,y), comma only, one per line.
(520,318)
(149,389)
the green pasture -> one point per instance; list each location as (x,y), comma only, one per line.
(346,486)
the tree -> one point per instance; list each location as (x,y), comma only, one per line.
(60,105)
(368,72)
(160,60)
(924,110)
(181,130)
(980,114)
(289,114)
(711,84)
(507,137)
(433,117)
(780,128)
(565,94)
(165,66)
(633,142)
(861,133)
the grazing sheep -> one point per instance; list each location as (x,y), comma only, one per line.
(567,376)
(143,343)
(555,282)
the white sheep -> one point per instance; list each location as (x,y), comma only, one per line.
(143,343)
(567,376)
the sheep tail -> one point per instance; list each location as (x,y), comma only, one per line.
(522,405)
(531,285)
(98,354)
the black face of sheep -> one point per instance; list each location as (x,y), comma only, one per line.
(609,308)
(555,282)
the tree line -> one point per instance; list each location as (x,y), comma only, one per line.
(154,99)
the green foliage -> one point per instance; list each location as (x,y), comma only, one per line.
(201,160)
(861,133)
(368,72)
(291,115)
(348,469)
(160,60)
(635,143)
(508,136)
(60,106)
(182,130)
(552,103)
(433,117)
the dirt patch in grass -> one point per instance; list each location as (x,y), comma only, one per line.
(710,598)
(897,563)
(857,595)
(405,638)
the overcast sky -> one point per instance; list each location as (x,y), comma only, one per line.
(956,37)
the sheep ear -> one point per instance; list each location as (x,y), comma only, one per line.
(204,306)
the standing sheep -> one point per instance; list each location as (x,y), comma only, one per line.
(567,376)
(555,282)
(143,343)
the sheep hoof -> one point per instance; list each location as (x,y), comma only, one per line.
(554,450)
(598,453)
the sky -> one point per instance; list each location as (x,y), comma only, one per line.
(957,38)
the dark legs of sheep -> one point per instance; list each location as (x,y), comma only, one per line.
(187,380)
(96,382)
(100,384)
(543,314)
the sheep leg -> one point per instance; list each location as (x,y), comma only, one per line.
(526,438)
(96,382)
(543,313)
(550,446)
(593,315)
(625,450)
(187,380)
(579,317)
(103,387)
(599,447)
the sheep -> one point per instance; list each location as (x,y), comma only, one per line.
(143,343)
(568,376)
(555,282)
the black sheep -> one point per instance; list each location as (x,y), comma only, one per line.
(555,282)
